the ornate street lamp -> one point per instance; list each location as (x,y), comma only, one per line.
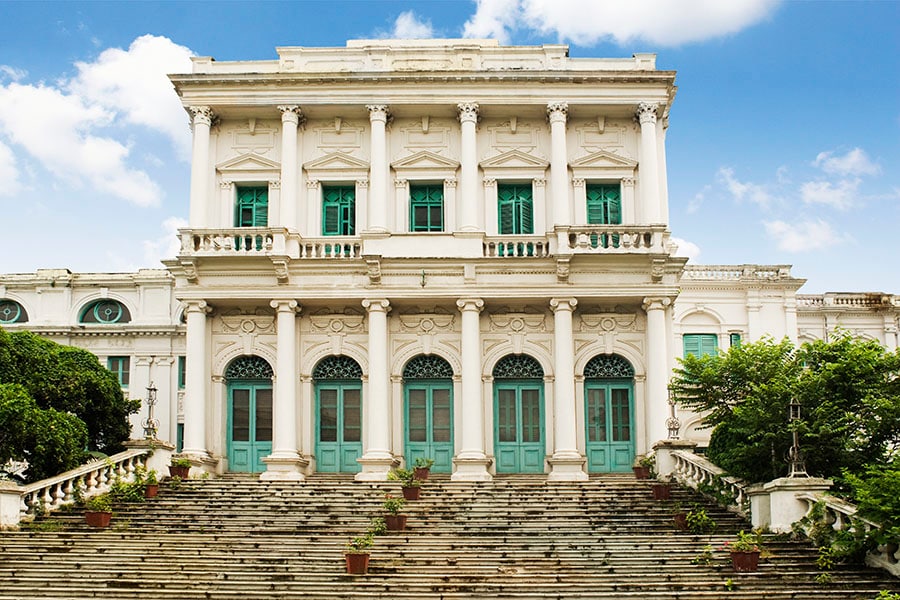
(151,425)
(672,423)
(795,457)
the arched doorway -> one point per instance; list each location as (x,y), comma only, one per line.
(249,384)
(609,414)
(338,389)
(519,445)
(428,411)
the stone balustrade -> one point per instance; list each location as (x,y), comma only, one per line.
(23,503)
(234,241)
(736,272)
(700,474)
(846,300)
(330,247)
(512,246)
(611,239)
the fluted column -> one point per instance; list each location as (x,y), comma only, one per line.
(378,175)
(200,168)
(471,462)
(559,164)
(567,464)
(196,379)
(290,121)
(468,167)
(284,463)
(657,393)
(649,165)
(377,459)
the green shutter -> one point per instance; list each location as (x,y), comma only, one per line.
(426,207)
(252,207)
(339,210)
(515,209)
(735,340)
(604,205)
(700,344)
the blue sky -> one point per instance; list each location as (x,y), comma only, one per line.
(783,146)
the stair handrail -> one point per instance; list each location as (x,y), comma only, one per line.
(25,502)
(697,472)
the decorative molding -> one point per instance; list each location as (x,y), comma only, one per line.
(349,321)
(468,112)
(426,323)
(557,112)
(609,322)
(646,113)
(292,114)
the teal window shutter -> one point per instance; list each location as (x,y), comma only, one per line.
(252,207)
(515,208)
(604,204)
(700,344)
(119,366)
(182,371)
(339,210)
(735,340)
(426,207)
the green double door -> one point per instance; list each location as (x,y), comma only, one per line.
(429,423)
(609,419)
(249,425)
(338,426)
(519,445)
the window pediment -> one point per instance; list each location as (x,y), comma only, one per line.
(425,164)
(603,165)
(248,164)
(514,164)
(337,165)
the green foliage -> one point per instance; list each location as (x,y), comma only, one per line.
(877,499)
(180,462)
(887,595)
(406,477)
(127,491)
(361,544)
(393,505)
(424,463)
(699,522)
(377,526)
(705,557)
(99,503)
(745,542)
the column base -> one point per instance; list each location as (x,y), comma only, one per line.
(284,467)
(567,466)
(472,468)
(376,467)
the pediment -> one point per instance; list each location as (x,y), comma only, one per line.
(425,160)
(336,161)
(514,159)
(253,163)
(603,160)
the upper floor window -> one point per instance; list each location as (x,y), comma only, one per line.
(604,204)
(339,210)
(426,207)
(700,344)
(119,366)
(12,312)
(252,207)
(182,371)
(734,340)
(515,208)
(105,312)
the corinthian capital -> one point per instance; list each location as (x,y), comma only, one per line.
(378,112)
(203,115)
(468,111)
(557,111)
(291,114)
(646,112)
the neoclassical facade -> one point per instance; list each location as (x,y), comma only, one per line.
(444,248)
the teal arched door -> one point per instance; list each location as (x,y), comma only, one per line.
(428,411)
(338,390)
(609,414)
(249,438)
(519,443)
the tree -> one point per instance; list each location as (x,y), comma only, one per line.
(848,392)
(70,381)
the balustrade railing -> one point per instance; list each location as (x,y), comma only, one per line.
(606,239)
(235,241)
(330,247)
(511,246)
(700,474)
(735,272)
(85,481)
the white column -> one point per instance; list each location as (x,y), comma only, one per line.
(378,169)
(196,379)
(377,459)
(649,165)
(290,120)
(200,168)
(284,463)
(657,393)
(471,462)
(468,167)
(567,464)
(559,164)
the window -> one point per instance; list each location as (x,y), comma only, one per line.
(252,207)
(12,312)
(700,344)
(105,312)
(182,365)
(735,340)
(604,204)
(426,207)
(119,366)
(339,210)
(516,208)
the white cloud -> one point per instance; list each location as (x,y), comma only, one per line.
(167,245)
(12,73)
(134,83)
(686,248)
(409,27)
(854,162)
(697,201)
(585,22)
(741,191)
(803,237)
(841,195)
(9,172)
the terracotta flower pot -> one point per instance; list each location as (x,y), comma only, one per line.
(151,490)
(395,522)
(411,493)
(745,562)
(641,472)
(661,491)
(421,473)
(181,472)
(681,521)
(357,564)
(97,518)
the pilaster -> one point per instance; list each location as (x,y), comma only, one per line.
(468,175)
(202,118)
(471,463)
(376,217)
(566,463)
(648,167)
(377,459)
(557,113)
(196,379)
(656,398)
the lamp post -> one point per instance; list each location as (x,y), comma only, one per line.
(151,425)
(672,423)
(795,457)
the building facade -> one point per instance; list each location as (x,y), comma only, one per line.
(442,248)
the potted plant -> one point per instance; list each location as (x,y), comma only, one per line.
(744,552)
(356,554)
(392,507)
(151,484)
(180,467)
(423,467)
(408,482)
(662,490)
(699,522)
(679,514)
(644,467)
(98,511)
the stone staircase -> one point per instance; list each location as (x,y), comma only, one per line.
(514,538)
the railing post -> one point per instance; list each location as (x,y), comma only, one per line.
(10,504)
(666,463)
(786,501)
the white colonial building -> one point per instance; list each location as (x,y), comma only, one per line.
(444,248)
